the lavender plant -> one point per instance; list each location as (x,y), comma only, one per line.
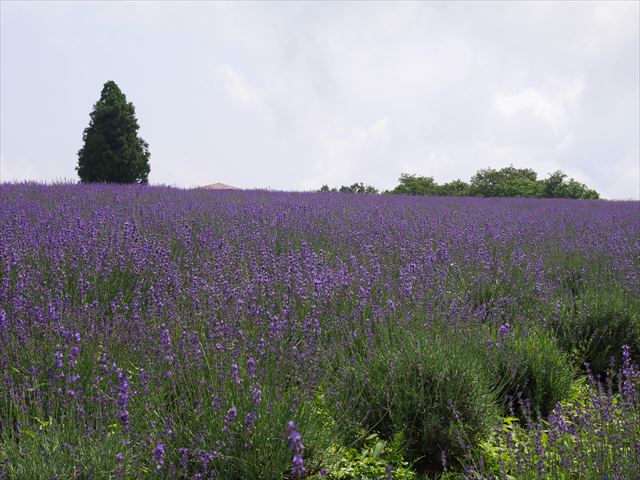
(151,332)
(594,435)
(532,373)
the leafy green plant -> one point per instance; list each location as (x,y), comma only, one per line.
(594,434)
(530,366)
(377,458)
(596,328)
(433,389)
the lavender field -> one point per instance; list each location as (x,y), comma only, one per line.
(151,332)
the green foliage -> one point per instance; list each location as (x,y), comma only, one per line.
(595,327)
(556,187)
(568,446)
(553,186)
(433,389)
(50,449)
(262,451)
(487,182)
(531,366)
(574,189)
(375,459)
(506,182)
(455,188)
(112,151)
(415,185)
(355,188)
(358,188)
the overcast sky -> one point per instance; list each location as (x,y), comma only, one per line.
(291,96)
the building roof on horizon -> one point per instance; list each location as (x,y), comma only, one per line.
(219,186)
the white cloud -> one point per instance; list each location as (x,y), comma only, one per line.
(377,132)
(294,97)
(340,155)
(622,178)
(551,104)
(612,25)
(239,89)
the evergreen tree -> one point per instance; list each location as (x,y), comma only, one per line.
(112,151)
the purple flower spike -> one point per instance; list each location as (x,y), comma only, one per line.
(57,359)
(158,455)
(505,329)
(296,446)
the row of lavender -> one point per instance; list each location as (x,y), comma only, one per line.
(156,331)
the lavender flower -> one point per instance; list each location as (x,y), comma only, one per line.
(158,455)
(250,421)
(505,329)
(57,358)
(630,376)
(229,417)
(206,297)
(296,446)
(251,368)
(236,373)
(4,324)
(123,395)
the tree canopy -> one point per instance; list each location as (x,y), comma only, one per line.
(112,151)
(506,182)
(487,182)
(415,185)
(355,188)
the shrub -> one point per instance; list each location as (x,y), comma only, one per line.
(593,435)
(529,366)
(596,327)
(433,390)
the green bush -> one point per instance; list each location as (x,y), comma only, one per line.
(431,388)
(597,326)
(594,434)
(530,366)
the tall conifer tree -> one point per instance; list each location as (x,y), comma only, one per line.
(112,151)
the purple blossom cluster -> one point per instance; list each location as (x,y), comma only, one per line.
(296,446)
(193,324)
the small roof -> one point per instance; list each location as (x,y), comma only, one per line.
(219,186)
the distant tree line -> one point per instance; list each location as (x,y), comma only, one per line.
(488,182)
(355,188)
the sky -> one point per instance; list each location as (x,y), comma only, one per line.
(291,96)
